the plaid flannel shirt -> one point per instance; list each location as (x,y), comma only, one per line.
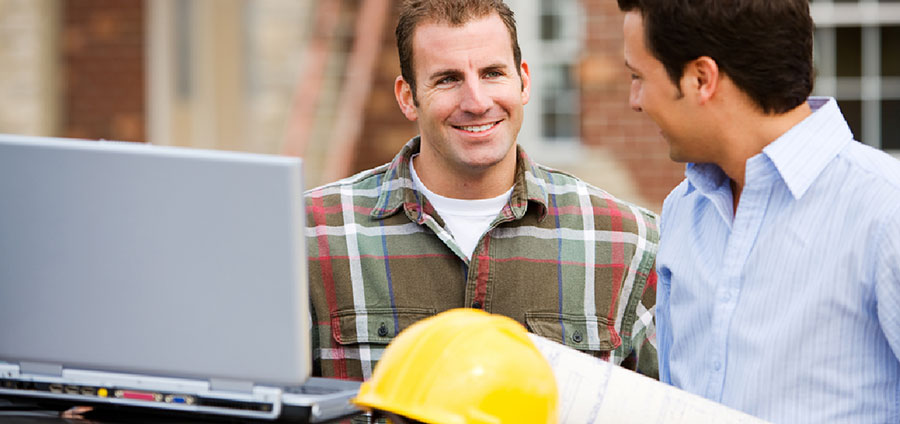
(565,259)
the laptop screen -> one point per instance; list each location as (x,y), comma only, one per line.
(152,260)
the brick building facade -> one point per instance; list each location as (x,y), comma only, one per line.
(110,53)
(284,76)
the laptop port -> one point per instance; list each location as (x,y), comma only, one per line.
(56,388)
(72,390)
(88,391)
(182,399)
(138,395)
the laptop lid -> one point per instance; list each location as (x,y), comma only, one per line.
(159,261)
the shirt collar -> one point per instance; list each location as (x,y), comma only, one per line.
(397,189)
(803,152)
(705,177)
(799,155)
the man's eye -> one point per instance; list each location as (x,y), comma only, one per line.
(494,74)
(446,80)
(635,77)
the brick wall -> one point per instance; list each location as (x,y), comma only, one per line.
(102,43)
(385,129)
(607,119)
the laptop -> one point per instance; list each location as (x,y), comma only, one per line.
(158,279)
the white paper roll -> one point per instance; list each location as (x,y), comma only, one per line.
(592,391)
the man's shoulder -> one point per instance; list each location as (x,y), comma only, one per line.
(361,194)
(370,179)
(370,182)
(677,195)
(673,201)
(869,174)
(873,166)
(571,188)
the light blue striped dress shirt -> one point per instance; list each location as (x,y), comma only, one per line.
(789,309)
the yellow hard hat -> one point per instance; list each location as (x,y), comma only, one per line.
(463,366)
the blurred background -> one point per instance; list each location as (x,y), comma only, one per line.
(314,78)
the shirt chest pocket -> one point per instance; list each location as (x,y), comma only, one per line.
(376,325)
(592,335)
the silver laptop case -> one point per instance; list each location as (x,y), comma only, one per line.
(157,277)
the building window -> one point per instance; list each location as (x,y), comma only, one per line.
(559,44)
(550,35)
(857,55)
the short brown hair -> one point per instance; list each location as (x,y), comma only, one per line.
(454,13)
(764,46)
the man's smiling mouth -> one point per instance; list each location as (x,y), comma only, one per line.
(476,128)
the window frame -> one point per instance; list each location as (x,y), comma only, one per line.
(539,54)
(870,87)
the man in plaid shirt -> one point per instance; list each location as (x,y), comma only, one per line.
(463,218)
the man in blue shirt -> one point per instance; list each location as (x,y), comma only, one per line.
(779,262)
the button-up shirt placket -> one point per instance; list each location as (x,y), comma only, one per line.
(760,176)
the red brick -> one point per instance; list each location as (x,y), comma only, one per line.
(103,62)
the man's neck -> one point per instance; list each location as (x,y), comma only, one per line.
(747,137)
(466,184)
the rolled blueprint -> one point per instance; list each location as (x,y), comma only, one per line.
(592,391)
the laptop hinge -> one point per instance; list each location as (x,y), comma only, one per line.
(53,370)
(227,385)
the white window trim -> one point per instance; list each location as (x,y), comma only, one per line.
(827,14)
(210,117)
(527,13)
(871,87)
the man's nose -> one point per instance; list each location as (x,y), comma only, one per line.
(475,98)
(634,97)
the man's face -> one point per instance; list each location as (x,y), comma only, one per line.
(470,95)
(654,93)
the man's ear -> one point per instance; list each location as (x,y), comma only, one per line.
(526,82)
(405,99)
(703,77)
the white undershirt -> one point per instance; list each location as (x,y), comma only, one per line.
(467,220)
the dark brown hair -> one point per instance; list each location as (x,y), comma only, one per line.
(764,46)
(451,12)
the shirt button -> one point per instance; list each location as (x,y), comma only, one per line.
(382,330)
(476,305)
(717,365)
(726,296)
(576,337)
